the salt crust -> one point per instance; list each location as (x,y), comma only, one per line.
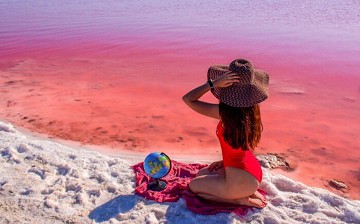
(44,182)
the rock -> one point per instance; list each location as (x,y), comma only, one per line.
(337,184)
(273,160)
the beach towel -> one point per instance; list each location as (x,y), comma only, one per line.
(177,187)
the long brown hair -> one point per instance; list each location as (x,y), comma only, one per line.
(242,125)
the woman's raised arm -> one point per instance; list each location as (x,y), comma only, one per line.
(192,100)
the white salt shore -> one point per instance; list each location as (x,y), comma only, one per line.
(44,182)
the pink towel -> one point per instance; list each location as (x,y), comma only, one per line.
(177,186)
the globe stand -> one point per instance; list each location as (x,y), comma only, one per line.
(157,185)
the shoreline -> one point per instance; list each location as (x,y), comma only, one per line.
(107,150)
(278,163)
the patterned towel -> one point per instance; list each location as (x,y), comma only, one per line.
(177,187)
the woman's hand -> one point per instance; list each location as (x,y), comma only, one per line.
(226,80)
(215,166)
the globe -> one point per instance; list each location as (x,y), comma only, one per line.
(157,165)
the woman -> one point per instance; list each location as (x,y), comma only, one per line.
(240,88)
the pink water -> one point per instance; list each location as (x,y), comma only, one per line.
(112,73)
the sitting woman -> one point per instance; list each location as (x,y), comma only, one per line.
(240,88)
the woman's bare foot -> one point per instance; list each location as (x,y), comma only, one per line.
(258,195)
(254,202)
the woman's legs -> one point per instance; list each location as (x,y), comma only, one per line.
(235,186)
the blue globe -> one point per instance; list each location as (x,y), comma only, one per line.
(157,164)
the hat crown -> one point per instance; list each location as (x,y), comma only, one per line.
(241,66)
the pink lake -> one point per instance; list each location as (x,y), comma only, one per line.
(112,74)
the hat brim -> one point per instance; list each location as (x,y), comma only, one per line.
(240,94)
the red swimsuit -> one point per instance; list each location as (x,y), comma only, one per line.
(242,159)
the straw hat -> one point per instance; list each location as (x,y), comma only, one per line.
(252,88)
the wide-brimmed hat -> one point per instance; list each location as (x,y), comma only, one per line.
(252,89)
